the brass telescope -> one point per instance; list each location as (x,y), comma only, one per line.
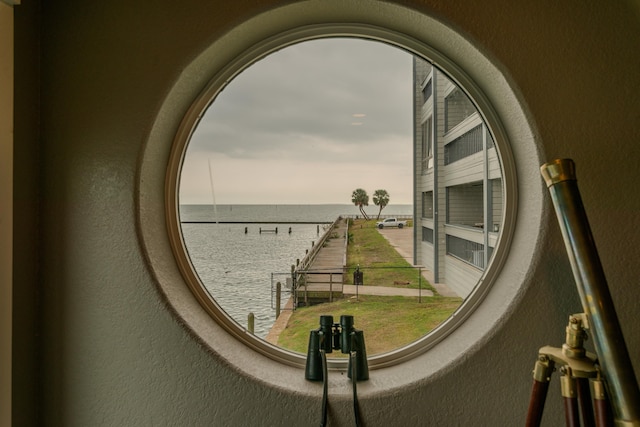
(613,356)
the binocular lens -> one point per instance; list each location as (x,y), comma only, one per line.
(326,326)
(346,325)
(326,321)
(346,322)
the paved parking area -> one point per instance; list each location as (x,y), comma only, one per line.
(402,241)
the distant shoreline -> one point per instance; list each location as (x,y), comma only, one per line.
(235,215)
(286,204)
(255,222)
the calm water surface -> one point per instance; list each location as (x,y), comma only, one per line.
(240,269)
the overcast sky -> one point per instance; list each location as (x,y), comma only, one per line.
(308,124)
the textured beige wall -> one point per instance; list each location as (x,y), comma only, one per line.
(111,350)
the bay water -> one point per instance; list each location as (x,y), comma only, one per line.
(239,265)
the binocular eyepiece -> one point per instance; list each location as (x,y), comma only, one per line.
(336,336)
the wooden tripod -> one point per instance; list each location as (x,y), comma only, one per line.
(579,372)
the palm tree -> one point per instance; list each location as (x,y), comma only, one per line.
(380,198)
(360,198)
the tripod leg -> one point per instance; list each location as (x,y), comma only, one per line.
(570,398)
(601,405)
(584,402)
(541,377)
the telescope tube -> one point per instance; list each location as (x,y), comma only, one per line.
(609,344)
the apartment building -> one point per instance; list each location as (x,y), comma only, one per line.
(458,178)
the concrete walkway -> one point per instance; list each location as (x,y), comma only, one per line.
(385,291)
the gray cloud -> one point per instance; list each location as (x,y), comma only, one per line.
(298,105)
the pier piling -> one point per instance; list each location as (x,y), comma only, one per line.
(251,322)
(278,294)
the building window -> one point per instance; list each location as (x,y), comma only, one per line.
(457,107)
(427,145)
(495,204)
(466,250)
(490,143)
(427,91)
(427,204)
(427,235)
(465,205)
(464,146)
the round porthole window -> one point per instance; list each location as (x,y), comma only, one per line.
(354,143)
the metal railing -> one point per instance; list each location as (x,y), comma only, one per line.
(371,277)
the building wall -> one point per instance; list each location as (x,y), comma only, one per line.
(110,349)
(461,276)
(456,177)
(439,177)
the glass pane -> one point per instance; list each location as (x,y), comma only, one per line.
(304,153)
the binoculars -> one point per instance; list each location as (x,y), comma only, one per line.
(333,336)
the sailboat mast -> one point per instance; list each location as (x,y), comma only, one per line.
(213,194)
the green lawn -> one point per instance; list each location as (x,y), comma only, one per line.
(388,323)
(379,262)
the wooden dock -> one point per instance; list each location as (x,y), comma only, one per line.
(321,277)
